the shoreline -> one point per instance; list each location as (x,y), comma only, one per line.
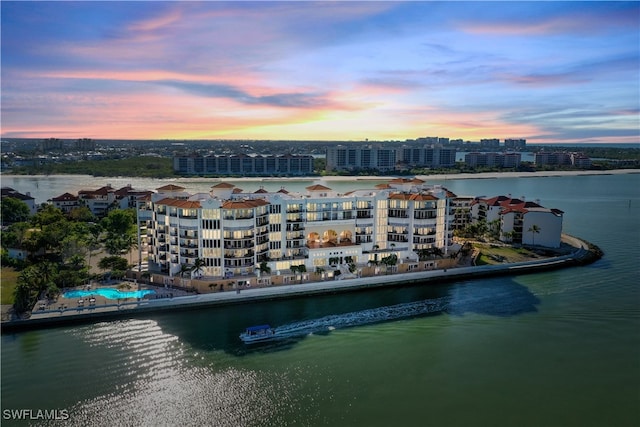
(583,254)
(330,178)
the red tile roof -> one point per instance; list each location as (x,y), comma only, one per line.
(102,191)
(244,204)
(318,187)
(170,187)
(412,196)
(124,191)
(184,204)
(66,197)
(509,204)
(223,185)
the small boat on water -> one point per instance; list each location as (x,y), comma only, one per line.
(257,334)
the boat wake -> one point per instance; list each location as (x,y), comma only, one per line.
(360,318)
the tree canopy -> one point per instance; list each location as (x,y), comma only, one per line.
(13,210)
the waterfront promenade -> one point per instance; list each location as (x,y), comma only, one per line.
(104,310)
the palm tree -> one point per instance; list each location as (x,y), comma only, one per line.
(494,228)
(534,229)
(389,261)
(302,269)
(264,267)
(46,272)
(197,265)
(184,269)
(509,235)
(424,253)
(130,242)
(437,252)
(92,242)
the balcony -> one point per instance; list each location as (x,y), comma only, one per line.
(189,254)
(396,214)
(188,245)
(236,263)
(239,245)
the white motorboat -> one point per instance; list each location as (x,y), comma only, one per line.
(258,333)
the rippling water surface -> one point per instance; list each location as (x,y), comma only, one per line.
(559,348)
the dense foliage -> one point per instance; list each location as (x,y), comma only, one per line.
(13,210)
(61,247)
(155,167)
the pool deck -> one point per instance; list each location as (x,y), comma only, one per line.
(101,309)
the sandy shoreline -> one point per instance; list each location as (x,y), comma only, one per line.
(483,175)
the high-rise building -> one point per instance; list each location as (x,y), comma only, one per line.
(84,144)
(515,144)
(51,144)
(502,160)
(343,157)
(243,164)
(492,143)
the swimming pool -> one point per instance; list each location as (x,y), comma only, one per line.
(109,293)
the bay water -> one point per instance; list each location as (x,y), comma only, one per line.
(557,348)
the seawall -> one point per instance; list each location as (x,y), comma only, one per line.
(584,253)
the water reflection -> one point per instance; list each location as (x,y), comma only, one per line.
(499,297)
(219,328)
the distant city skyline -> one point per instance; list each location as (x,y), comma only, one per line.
(549,72)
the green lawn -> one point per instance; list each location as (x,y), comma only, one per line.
(499,254)
(8,281)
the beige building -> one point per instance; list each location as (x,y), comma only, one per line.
(226,233)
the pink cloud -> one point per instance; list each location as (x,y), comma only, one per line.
(543,79)
(573,21)
(155,23)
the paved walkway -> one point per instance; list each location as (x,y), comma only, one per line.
(107,308)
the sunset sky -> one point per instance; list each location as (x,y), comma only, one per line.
(546,71)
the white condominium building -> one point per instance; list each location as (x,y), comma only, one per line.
(503,160)
(233,233)
(520,221)
(243,164)
(343,157)
(376,157)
